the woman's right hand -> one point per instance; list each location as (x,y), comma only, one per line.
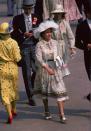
(49,70)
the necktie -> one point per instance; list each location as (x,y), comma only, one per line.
(29,24)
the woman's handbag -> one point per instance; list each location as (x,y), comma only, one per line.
(63,67)
(65,71)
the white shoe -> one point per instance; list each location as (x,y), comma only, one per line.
(63,119)
(47,116)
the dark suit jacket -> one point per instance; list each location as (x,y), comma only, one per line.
(38,10)
(20,28)
(85,3)
(82,39)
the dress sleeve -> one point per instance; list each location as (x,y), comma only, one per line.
(16,52)
(39,57)
(70,36)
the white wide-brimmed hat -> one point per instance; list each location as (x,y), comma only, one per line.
(44,26)
(58,9)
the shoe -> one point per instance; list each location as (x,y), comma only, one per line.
(63,119)
(88,97)
(32,102)
(47,116)
(9,121)
(14,114)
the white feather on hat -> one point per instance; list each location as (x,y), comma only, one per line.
(44,26)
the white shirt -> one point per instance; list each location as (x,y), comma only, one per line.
(28,22)
(89,23)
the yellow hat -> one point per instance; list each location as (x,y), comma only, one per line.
(4,28)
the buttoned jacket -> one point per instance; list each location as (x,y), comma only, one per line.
(83,38)
(19,28)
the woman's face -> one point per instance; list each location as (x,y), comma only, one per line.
(47,34)
(58,16)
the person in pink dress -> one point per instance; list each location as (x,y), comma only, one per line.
(72,10)
(43,9)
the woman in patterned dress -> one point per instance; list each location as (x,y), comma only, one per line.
(64,36)
(70,7)
(72,10)
(9,56)
(49,80)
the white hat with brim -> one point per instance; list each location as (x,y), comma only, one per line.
(44,26)
(58,9)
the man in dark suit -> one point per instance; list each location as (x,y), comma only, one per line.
(23,26)
(10,7)
(83,4)
(38,10)
(83,41)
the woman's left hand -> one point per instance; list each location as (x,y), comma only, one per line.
(49,70)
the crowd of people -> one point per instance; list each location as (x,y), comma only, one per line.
(41,42)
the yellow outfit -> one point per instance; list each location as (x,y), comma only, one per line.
(9,56)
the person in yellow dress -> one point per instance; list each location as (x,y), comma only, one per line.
(9,56)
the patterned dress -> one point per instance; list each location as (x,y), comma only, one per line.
(72,10)
(45,84)
(65,38)
(70,7)
(9,56)
(48,7)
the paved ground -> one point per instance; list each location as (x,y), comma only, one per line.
(77,110)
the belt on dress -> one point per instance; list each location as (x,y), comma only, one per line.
(50,60)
